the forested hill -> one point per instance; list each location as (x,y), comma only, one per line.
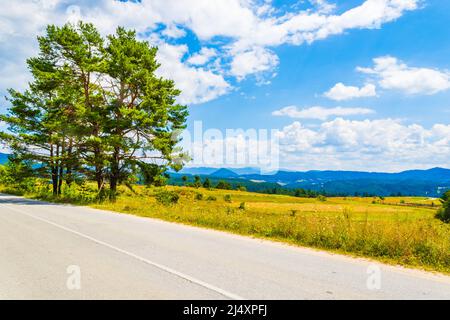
(430,182)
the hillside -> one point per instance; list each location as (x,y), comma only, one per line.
(429,183)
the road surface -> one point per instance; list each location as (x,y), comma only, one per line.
(50,251)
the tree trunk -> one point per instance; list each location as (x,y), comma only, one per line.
(54,172)
(99,177)
(69,178)
(115,173)
(60,180)
(61,167)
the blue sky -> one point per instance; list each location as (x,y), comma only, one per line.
(359,84)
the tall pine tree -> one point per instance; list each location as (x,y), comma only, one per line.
(95,109)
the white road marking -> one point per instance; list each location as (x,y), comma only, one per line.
(149,262)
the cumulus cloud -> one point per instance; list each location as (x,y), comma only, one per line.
(383,144)
(370,14)
(202,57)
(172,31)
(342,92)
(320,113)
(249,30)
(253,61)
(197,84)
(393,74)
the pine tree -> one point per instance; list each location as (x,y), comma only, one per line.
(95,109)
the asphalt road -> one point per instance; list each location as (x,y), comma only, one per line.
(50,251)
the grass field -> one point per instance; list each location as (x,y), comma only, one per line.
(400,230)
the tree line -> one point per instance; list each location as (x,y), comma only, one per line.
(196,181)
(95,110)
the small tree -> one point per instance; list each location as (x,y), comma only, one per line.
(444,213)
(197,182)
(17,174)
(223,185)
(207,183)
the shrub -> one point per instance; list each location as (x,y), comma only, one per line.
(211,198)
(322,198)
(227,198)
(242,206)
(229,210)
(223,185)
(199,196)
(207,184)
(293,213)
(444,213)
(167,197)
(446,196)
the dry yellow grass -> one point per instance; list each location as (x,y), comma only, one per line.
(400,230)
(387,230)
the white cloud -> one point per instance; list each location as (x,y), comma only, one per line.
(197,84)
(253,61)
(202,57)
(248,30)
(320,113)
(172,31)
(370,14)
(383,144)
(342,92)
(324,6)
(394,74)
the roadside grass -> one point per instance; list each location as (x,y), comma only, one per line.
(400,230)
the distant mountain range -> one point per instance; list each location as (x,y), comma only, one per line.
(3,158)
(217,171)
(430,182)
(435,174)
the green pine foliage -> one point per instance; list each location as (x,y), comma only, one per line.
(95,110)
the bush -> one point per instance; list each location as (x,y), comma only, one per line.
(223,185)
(322,198)
(207,184)
(444,213)
(197,182)
(242,206)
(211,198)
(199,196)
(446,196)
(167,197)
(229,210)
(227,198)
